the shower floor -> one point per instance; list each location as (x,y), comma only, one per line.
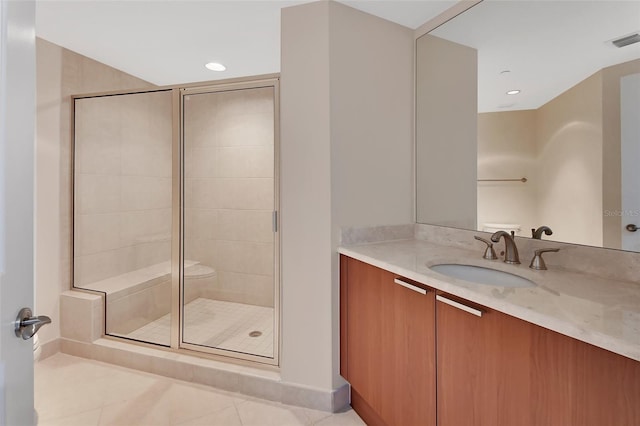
(217,324)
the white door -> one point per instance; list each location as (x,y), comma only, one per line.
(630,140)
(17,116)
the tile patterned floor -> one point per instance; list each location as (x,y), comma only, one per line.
(73,391)
(218,324)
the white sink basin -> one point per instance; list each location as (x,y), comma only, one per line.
(481,275)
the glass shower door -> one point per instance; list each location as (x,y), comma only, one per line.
(229,293)
(123,210)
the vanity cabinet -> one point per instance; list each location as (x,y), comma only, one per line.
(492,369)
(387,345)
(496,370)
(575,383)
(482,372)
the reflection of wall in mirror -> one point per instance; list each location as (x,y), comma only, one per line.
(569,150)
(569,157)
(506,150)
(446,132)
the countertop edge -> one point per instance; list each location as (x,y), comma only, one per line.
(559,325)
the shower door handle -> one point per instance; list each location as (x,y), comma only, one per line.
(27,325)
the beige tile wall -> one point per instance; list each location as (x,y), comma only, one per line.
(79,75)
(229,191)
(61,73)
(123,184)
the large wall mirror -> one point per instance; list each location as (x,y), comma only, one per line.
(528,115)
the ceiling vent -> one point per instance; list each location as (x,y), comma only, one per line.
(626,40)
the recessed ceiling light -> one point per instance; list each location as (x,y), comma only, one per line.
(214,66)
(513,92)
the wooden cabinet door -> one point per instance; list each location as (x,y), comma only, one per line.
(408,332)
(498,370)
(387,346)
(362,294)
(483,366)
(577,384)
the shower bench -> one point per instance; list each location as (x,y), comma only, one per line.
(139,297)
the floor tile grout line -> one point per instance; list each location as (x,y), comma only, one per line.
(235,405)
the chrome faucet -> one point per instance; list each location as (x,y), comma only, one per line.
(537,233)
(510,249)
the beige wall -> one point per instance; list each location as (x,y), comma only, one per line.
(305,152)
(372,179)
(229,185)
(48,229)
(558,148)
(507,150)
(569,133)
(446,133)
(60,73)
(346,151)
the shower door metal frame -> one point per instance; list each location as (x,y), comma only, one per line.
(179,180)
(177,219)
(72,202)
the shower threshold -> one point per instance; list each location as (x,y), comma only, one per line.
(231,326)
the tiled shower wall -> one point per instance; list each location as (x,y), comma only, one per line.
(229,191)
(123,184)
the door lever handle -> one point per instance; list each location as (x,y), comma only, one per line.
(27,325)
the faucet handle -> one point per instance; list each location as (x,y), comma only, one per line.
(537,262)
(489,253)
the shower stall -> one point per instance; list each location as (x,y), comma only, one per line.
(175,200)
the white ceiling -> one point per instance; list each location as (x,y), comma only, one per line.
(549,46)
(168,42)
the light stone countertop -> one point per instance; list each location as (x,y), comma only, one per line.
(593,309)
